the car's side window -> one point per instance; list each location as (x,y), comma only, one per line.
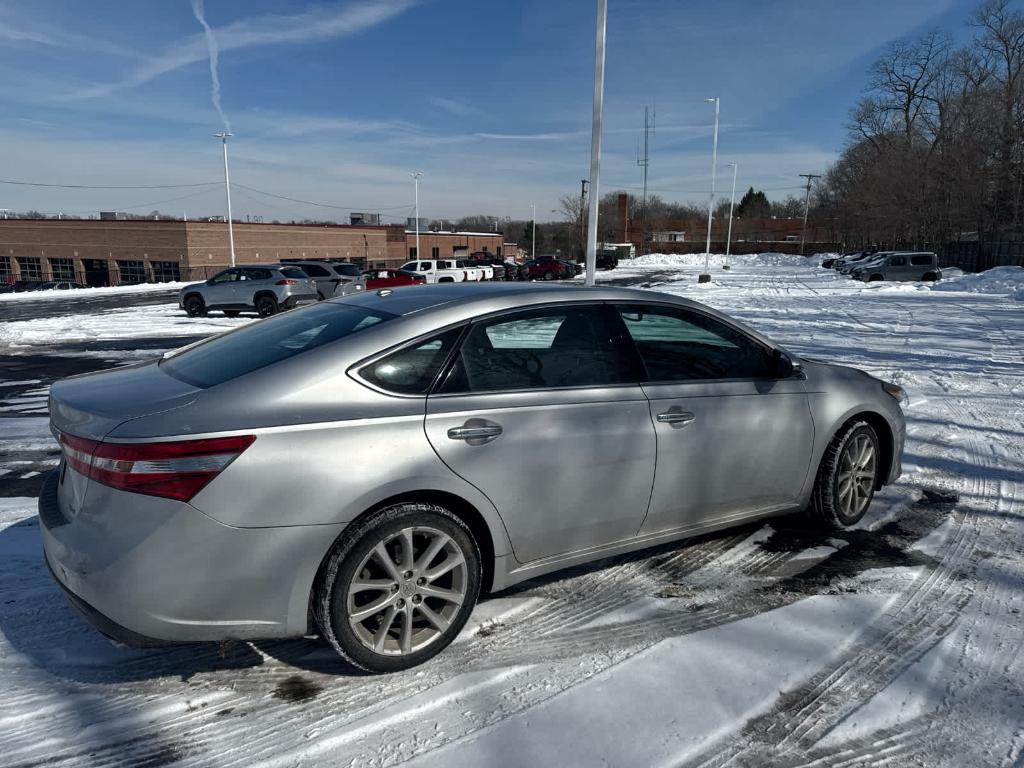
(227,276)
(676,344)
(412,370)
(535,349)
(923,260)
(898,261)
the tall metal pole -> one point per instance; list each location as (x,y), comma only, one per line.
(645,162)
(533,241)
(807,206)
(416,211)
(732,204)
(583,218)
(595,139)
(706,276)
(227,189)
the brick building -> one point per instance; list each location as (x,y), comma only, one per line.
(112,252)
(456,245)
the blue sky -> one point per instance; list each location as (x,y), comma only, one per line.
(490,99)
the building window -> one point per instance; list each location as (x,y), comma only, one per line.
(412,254)
(435,252)
(131,272)
(499,252)
(166,272)
(63,269)
(31,269)
(6,273)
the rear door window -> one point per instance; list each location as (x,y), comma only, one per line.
(921,260)
(557,347)
(897,261)
(264,343)
(676,344)
(315,271)
(293,273)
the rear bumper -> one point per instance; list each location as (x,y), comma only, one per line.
(291,302)
(147,571)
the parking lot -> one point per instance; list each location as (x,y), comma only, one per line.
(765,645)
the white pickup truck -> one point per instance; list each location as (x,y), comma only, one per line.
(437,270)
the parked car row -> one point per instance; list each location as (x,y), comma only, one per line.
(267,289)
(875,266)
(25,286)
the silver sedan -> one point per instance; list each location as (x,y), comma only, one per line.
(365,468)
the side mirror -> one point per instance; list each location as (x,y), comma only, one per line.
(785,366)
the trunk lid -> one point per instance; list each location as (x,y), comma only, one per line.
(93,404)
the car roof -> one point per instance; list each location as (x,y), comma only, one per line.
(478,298)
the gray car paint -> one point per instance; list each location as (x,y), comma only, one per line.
(329,447)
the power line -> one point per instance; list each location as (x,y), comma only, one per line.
(93,186)
(321,205)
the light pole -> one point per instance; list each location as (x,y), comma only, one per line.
(732,204)
(705,277)
(416,211)
(533,239)
(227,190)
(595,139)
(807,206)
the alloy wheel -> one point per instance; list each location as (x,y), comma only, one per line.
(855,480)
(407,591)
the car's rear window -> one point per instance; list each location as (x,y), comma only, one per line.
(266,342)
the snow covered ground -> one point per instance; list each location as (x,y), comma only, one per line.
(897,643)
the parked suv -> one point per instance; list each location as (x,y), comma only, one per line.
(900,266)
(265,289)
(327,275)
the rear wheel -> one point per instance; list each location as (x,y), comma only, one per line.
(931,277)
(195,306)
(549,275)
(399,588)
(266,306)
(847,476)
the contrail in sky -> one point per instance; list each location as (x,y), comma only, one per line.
(211,44)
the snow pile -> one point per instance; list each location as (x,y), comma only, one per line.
(1002,280)
(677,260)
(82,293)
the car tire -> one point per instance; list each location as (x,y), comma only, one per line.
(232,312)
(930,277)
(398,633)
(320,296)
(847,476)
(549,275)
(876,279)
(195,306)
(266,306)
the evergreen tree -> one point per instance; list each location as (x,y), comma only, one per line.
(754,205)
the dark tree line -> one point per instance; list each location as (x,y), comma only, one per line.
(936,145)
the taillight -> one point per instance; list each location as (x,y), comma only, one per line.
(174,470)
(286,281)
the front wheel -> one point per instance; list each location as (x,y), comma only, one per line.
(549,275)
(399,588)
(846,477)
(195,306)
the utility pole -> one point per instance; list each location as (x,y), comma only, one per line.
(732,204)
(227,190)
(595,139)
(706,276)
(644,162)
(807,206)
(533,241)
(583,218)
(416,211)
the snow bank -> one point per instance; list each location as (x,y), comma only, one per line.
(81,293)
(1001,280)
(717,260)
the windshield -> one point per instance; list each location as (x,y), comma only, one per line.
(264,343)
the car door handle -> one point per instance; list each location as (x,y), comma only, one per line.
(681,418)
(475,433)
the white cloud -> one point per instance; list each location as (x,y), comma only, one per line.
(315,25)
